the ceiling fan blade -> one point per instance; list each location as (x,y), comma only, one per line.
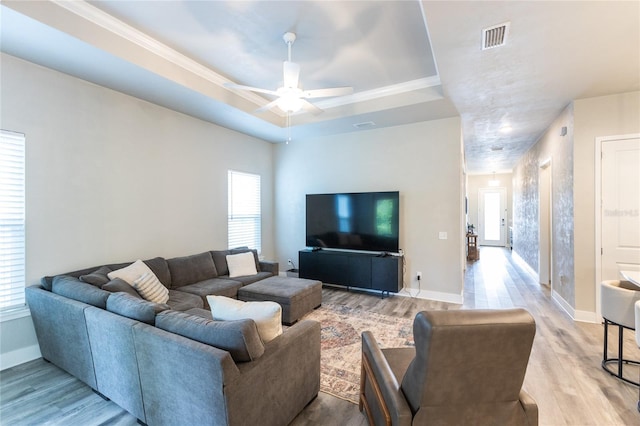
(309,107)
(291,72)
(268,106)
(253,89)
(324,93)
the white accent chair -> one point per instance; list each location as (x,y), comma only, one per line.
(618,299)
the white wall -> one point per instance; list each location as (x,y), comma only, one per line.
(594,117)
(422,161)
(111,178)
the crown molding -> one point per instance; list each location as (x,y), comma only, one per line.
(380,92)
(127,32)
(98,17)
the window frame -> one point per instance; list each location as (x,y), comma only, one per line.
(241,209)
(13,209)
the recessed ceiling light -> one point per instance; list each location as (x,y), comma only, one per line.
(506,129)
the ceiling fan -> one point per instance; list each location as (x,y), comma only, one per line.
(291,98)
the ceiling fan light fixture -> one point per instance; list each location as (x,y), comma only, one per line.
(289,103)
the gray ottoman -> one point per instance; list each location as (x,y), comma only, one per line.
(297,296)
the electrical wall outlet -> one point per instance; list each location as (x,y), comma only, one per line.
(442,235)
(289,262)
(418,275)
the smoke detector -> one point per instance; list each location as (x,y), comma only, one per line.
(495,36)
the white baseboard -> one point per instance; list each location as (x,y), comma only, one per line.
(524,265)
(431,295)
(19,356)
(576,315)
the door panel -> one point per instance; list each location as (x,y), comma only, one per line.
(492,216)
(620,209)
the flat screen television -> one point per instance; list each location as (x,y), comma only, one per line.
(367,221)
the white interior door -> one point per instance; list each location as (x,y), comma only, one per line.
(620,207)
(492,217)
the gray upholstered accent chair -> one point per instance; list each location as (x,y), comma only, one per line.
(467,367)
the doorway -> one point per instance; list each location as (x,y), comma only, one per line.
(492,216)
(544,233)
(617,208)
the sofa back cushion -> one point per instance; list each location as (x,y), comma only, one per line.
(118,284)
(98,277)
(160,268)
(191,269)
(240,338)
(135,308)
(75,289)
(220,258)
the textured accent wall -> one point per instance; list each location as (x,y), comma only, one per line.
(526,199)
(525,208)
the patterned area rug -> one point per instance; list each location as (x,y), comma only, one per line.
(341,347)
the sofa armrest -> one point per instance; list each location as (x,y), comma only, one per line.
(286,376)
(530,407)
(267,266)
(380,393)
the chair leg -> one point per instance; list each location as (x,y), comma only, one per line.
(620,356)
(620,359)
(606,339)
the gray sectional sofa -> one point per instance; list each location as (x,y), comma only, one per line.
(171,364)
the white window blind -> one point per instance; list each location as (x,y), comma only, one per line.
(244,210)
(12,218)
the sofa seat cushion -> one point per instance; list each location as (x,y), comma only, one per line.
(191,269)
(214,286)
(75,289)
(135,308)
(250,279)
(183,301)
(240,338)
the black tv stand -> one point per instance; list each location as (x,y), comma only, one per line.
(381,272)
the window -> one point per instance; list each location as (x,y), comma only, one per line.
(12,219)
(244,210)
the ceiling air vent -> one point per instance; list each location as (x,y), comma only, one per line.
(495,36)
(364,125)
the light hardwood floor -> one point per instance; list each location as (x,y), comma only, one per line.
(564,374)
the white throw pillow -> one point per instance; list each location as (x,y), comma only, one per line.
(241,264)
(267,315)
(151,288)
(131,272)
